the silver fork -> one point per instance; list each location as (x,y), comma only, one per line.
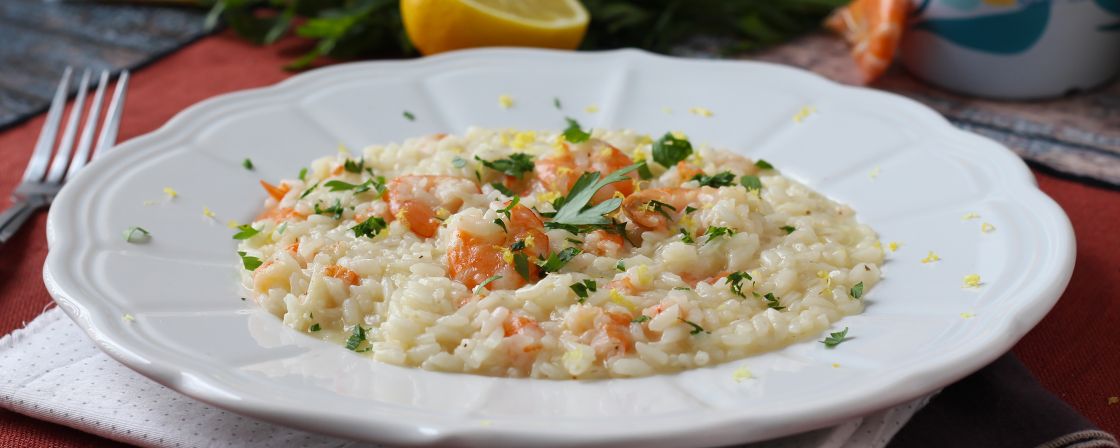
(45,176)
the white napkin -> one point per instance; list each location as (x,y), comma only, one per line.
(51,371)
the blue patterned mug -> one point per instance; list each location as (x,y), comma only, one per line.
(1014,49)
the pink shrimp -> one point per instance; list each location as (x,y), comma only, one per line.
(473,258)
(559,172)
(643,207)
(414,199)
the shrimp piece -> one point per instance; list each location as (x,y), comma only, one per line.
(523,340)
(641,211)
(472,258)
(559,172)
(347,276)
(276,192)
(603,243)
(612,335)
(414,199)
(874,28)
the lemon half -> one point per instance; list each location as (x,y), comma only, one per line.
(435,26)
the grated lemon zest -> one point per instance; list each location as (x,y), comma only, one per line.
(563,170)
(970,216)
(804,113)
(972,281)
(644,139)
(128,318)
(932,257)
(170,192)
(529,240)
(232,224)
(342,149)
(505,101)
(667,110)
(207,212)
(523,139)
(874,172)
(679,135)
(987,227)
(548,196)
(618,298)
(507,254)
(967,315)
(894,245)
(643,276)
(741,374)
(442,213)
(835,365)
(591,109)
(701,111)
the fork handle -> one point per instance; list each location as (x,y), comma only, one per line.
(13,218)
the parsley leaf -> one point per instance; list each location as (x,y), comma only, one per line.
(573,133)
(408,115)
(302,174)
(556,102)
(509,207)
(836,338)
(722,179)
(521,264)
(501,224)
(857,290)
(640,319)
(582,288)
(376,184)
(696,329)
(689,209)
(669,150)
(493,278)
(659,207)
(685,237)
(516,165)
(574,210)
(135,235)
(751,182)
(309,190)
(356,338)
(556,261)
(762,164)
(621,266)
(352,167)
(735,282)
(246,231)
(643,171)
(250,263)
(248,164)
(315,327)
(716,232)
(773,302)
(788,229)
(335,210)
(370,227)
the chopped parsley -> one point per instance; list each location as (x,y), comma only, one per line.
(762,164)
(516,165)
(752,183)
(721,179)
(857,290)
(574,133)
(521,264)
(458,162)
(501,224)
(669,150)
(309,190)
(248,164)
(773,302)
(583,288)
(659,207)
(716,232)
(357,337)
(502,189)
(696,329)
(377,184)
(573,213)
(640,319)
(555,261)
(246,231)
(408,115)
(685,237)
(302,174)
(788,229)
(492,279)
(315,327)
(509,207)
(369,228)
(135,235)
(643,171)
(250,263)
(689,209)
(335,210)
(836,338)
(556,103)
(735,282)
(621,266)
(517,245)
(354,167)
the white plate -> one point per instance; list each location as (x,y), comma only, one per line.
(192,333)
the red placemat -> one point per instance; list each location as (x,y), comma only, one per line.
(1071,352)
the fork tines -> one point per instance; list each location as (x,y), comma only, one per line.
(69,158)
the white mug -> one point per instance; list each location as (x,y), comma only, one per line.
(1013,49)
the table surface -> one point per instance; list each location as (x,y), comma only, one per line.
(1072,351)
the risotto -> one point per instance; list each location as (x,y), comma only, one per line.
(561,255)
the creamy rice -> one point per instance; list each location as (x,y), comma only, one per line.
(680,299)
